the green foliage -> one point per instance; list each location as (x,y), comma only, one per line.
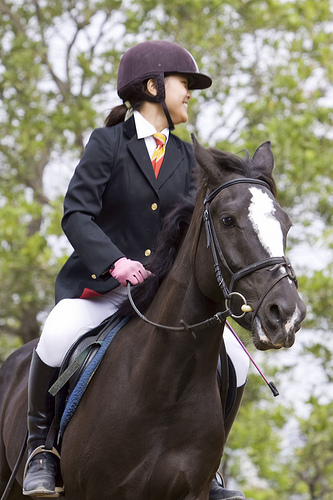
(47,107)
(256,452)
(8,344)
(254,439)
(319,286)
(312,461)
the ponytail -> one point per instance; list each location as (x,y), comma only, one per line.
(116,115)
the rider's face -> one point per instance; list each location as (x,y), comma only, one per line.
(177,96)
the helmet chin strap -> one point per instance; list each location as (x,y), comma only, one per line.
(160,97)
(167,114)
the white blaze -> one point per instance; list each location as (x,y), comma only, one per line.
(267,227)
(269,232)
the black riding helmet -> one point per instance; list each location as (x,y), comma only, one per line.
(156,59)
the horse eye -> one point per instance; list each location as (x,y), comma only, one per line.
(228,221)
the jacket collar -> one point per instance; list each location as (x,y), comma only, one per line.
(137,147)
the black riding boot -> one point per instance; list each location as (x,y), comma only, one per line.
(42,464)
(217,490)
(234,410)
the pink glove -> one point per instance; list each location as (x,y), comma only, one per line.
(129,270)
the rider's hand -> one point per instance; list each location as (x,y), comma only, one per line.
(129,270)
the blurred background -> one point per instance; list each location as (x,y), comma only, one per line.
(271,62)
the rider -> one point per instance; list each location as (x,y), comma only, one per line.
(113,212)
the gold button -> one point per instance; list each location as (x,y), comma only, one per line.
(147,252)
(154,206)
(94,277)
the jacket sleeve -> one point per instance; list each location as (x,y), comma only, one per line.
(83,203)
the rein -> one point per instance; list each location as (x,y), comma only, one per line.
(218,318)
(12,478)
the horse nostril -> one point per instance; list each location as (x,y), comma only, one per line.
(274,314)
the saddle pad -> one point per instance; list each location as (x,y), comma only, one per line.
(85,378)
(75,362)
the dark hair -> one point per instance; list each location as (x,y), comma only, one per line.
(118,113)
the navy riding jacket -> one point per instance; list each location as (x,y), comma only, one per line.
(114,206)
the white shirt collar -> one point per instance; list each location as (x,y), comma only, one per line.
(144,128)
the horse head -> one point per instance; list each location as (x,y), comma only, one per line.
(245,240)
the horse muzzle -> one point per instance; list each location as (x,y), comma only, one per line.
(275,327)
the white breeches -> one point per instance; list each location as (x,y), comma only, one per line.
(238,356)
(71,318)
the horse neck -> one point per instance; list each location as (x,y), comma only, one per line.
(178,363)
(179,297)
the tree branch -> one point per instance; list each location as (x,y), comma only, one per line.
(62,86)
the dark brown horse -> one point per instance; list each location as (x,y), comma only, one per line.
(150,424)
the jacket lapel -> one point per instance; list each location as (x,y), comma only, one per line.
(172,159)
(139,152)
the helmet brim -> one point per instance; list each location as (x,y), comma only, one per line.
(196,81)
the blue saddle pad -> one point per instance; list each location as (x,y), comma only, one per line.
(76,394)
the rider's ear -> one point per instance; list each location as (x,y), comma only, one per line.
(263,158)
(152,86)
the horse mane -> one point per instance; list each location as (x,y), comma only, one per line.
(246,167)
(177,221)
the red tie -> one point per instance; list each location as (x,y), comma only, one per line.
(159,151)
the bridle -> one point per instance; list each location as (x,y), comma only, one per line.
(271,263)
(228,292)
(217,254)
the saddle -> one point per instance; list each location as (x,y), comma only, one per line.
(77,360)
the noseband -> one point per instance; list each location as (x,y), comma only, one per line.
(271,262)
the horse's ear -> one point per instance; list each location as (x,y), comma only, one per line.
(205,160)
(200,152)
(263,158)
